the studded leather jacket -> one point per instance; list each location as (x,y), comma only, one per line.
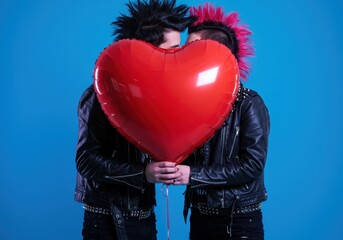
(228,170)
(110,170)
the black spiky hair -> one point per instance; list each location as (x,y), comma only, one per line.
(148,19)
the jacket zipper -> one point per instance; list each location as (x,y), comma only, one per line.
(234,141)
(128,198)
(129,175)
(115,179)
(208,182)
(222,200)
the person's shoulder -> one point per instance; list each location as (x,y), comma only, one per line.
(88,92)
(249,92)
(249,95)
(245,94)
(88,95)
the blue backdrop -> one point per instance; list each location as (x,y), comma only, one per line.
(47,54)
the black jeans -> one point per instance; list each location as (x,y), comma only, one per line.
(101,227)
(244,226)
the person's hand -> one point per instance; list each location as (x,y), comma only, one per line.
(183,179)
(161,172)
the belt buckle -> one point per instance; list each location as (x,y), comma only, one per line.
(203,209)
(144,214)
(133,213)
(140,214)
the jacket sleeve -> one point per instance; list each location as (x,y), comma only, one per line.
(93,156)
(249,163)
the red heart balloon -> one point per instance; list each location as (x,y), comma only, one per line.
(166,102)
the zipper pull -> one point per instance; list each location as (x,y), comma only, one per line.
(237,131)
(222,202)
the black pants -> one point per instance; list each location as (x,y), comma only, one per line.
(101,227)
(244,226)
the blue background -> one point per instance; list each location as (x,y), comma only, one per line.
(47,54)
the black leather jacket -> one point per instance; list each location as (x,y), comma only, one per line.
(110,169)
(229,167)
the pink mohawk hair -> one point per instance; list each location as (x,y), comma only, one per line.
(210,17)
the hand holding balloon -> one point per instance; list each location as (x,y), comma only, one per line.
(184,172)
(161,172)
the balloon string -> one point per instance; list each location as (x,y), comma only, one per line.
(167,205)
(166,194)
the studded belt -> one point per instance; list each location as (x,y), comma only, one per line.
(203,209)
(92,209)
(141,214)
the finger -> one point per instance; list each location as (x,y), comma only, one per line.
(166,164)
(178,181)
(166,170)
(169,170)
(161,171)
(169,176)
(167,182)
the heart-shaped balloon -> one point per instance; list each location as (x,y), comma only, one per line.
(166,102)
